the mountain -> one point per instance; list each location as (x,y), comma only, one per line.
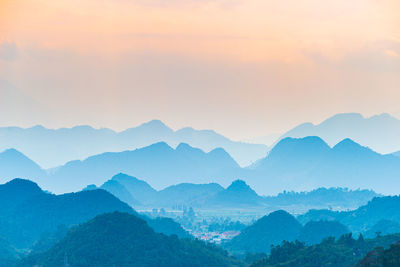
(159,163)
(139,189)
(237,194)
(186,194)
(379,132)
(335,198)
(314,232)
(27,212)
(397,154)
(43,145)
(121,239)
(31,211)
(343,252)
(15,164)
(207,140)
(362,219)
(118,190)
(267,231)
(307,163)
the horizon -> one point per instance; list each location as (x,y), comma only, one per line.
(233,66)
(244,139)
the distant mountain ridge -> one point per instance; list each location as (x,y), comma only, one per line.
(364,218)
(306,163)
(43,144)
(238,194)
(159,163)
(379,132)
(294,164)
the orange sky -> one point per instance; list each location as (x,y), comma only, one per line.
(244,68)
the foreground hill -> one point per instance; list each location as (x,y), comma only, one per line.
(343,252)
(309,162)
(365,217)
(43,145)
(379,132)
(280,226)
(159,163)
(380,256)
(268,230)
(121,239)
(26,212)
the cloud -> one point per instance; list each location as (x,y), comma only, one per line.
(8,51)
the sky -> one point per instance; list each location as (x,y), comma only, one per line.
(243,68)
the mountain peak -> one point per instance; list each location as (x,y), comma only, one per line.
(12,152)
(349,144)
(344,117)
(184,147)
(239,185)
(155,124)
(289,145)
(22,184)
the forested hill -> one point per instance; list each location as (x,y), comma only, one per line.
(121,239)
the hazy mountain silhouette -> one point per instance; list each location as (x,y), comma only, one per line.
(293,164)
(121,239)
(237,194)
(118,190)
(139,189)
(314,232)
(14,164)
(159,163)
(383,227)
(44,145)
(267,231)
(307,163)
(187,194)
(26,212)
(362,219)
(337,198)
(380,132)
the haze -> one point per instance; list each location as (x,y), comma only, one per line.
(243,68)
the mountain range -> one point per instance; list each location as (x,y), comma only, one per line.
(43,145)
(379,132)
(364,218)
(27,212)
(160,164)
(299,164)
(309,162)
(139,193)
